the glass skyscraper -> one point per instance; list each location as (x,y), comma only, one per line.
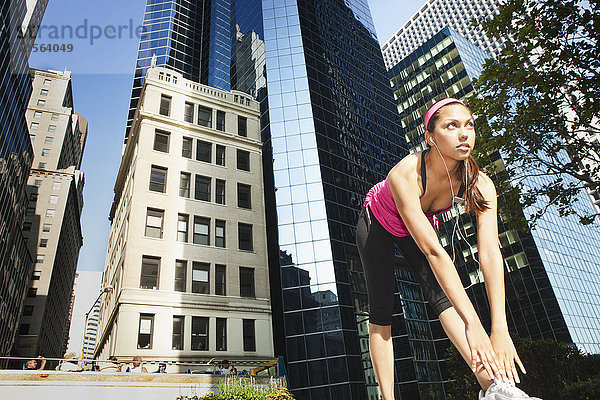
(189,36)
(550,272)
(330,131)
(20,21)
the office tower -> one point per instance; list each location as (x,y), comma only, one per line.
(187,254)
(191,37)
(19,18)
(551,272)
(437,14)
(90,332)
(52,223)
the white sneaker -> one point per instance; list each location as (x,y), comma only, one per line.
(500,390)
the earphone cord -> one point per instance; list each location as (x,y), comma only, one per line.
(456,227)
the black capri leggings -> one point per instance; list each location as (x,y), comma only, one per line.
(376,249)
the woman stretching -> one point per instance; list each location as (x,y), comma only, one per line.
(398,211)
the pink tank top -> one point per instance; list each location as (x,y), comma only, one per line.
(382,205)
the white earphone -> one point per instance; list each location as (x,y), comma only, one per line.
(455,200)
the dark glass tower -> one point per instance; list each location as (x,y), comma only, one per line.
(546,296)
(330,131)
(188,36)
(16,155)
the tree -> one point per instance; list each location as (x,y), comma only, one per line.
(540,104)
(554,371)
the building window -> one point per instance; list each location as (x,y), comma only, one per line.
(50,213)
(54,117)
(182,227)
(145,331)
(188,113)
(32,138)
(37,114)
(49,140)
(32,292)
(158,179)
(220,233)
(221,341)
(51,128)
(165,105)
(249,335)
(247,282)
(154,223)
(205,116)
(55,185)
(41,165)
(53,199)
(161,141)
(220,154)
(202,188)
(41,103)
(34,126)
(243,160)
(243,192)
(36,275)
(242,126)
(220,191)
(199,333)
(47,82)
(30,211)
(200,277)
(201,229)
(220,280)
(24,329)
(186,148)
(28,311)
(43,242)
(149,274)
(37,183)
(40,258)
(221,121)
(245,237)
(33,197)
(180,275)
(203,151)
(26,226)
(177,343)
(44,92)
(184,184)
(46,227)
(45,152)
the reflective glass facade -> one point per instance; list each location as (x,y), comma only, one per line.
(15,161)
(330,131)
(189,36)
(550,271)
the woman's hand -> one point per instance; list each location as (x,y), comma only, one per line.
(506,354)
(481,349)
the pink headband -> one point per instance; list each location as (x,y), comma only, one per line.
(436,106)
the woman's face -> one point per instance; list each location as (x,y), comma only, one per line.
(454,132)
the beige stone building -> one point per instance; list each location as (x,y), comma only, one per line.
(187,257)
(52,223)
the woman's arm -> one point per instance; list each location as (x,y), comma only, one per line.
(492,266)
(404,186)
(490,258)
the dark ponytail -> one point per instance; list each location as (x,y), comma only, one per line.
(474,199)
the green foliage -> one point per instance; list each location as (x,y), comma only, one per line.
(242,389)
(539,103)
(554,371)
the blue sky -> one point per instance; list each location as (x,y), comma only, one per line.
(104,42)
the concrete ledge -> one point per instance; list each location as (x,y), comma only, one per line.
(51,385)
